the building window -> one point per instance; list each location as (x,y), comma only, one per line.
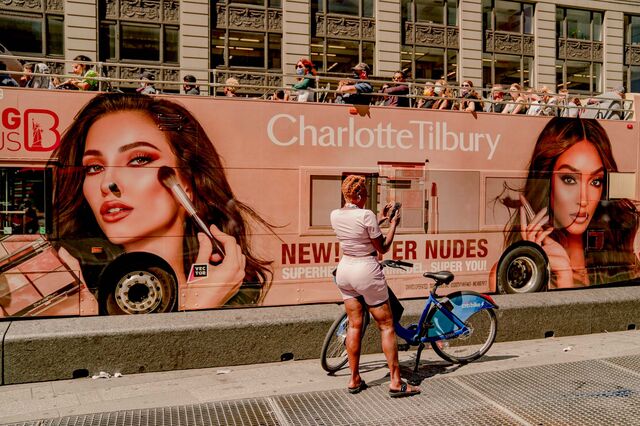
(342,35)
(26,33)
(140,32)
(148,33)
(247,35)
(508,42)
(632,52)
(579,55)
(430,39)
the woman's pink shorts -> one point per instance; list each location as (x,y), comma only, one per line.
(362,276)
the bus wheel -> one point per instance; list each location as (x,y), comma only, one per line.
(523,268)
(139,289)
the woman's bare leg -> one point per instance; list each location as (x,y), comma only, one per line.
(384,318)
(354,310)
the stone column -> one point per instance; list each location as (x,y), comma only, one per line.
(544,68)
(470,53)
(80,30)
(388,33)
(613,50)
(296,35)
(195,41)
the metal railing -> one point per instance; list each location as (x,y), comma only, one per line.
(263,85)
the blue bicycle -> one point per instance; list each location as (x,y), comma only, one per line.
(461,327)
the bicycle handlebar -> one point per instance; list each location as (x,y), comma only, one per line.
(396,264)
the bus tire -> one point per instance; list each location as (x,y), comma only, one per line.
(138,286)
(523,268)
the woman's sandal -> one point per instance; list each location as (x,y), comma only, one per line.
(357,389)
(402,392)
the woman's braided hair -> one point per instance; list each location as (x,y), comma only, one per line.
(353,187)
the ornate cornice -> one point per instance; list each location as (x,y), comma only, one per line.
(55,6)
(165,11)
(508,42)
(147,10)
(632,54)
(248,18)
(431,35)
(133,73)
(345,27)
(171,11)
(26,5)
(579,50)
(248,79)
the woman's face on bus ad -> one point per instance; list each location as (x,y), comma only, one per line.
(576,187)
(126,149)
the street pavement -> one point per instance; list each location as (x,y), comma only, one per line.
(586,379)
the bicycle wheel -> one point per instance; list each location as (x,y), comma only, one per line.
(466,347)
(334,350)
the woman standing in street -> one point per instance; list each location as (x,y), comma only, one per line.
(360,276)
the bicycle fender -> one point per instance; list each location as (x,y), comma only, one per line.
(462,304)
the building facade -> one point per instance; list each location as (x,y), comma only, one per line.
(587,46)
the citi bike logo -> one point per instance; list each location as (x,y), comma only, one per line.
(34,130)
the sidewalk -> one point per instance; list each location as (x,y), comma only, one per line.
(578,370)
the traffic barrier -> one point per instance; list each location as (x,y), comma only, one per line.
(65,348)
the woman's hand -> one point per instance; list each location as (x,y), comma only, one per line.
(559,261)
(224,278)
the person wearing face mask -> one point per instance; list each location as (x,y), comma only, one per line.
(306,75)
(429,96)
(355,91)
(445,95)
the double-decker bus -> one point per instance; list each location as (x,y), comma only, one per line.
(108,199)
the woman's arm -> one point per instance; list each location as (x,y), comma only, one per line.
(382,244)
(519,106)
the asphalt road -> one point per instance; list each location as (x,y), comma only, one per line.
(587,379)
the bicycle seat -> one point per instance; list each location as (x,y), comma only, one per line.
(444,277)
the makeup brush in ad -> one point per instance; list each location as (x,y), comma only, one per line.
(168,178)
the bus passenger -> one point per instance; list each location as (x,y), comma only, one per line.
(396,92)
(88,77)
(518,102)
(588,238)
(445,93)
(306,72)
(429,96)
(107,186)
(231,86)
(359,275)
(189,85)
(470,99)
(355,91)
(497,98)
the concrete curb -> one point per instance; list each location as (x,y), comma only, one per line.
(64,348)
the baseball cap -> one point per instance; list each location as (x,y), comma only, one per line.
(361,67)
(189,78)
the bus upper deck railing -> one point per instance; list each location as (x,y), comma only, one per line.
(265,85)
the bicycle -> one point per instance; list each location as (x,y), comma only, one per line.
(461,327)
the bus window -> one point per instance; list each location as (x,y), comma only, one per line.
(457,195)
(622,185)
(325,196)
(25,200)
(405,183)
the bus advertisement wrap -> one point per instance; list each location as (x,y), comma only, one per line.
(124,204)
